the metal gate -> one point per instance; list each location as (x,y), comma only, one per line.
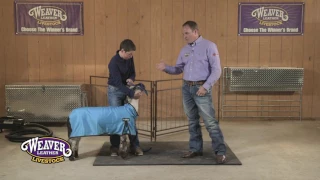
(160,113)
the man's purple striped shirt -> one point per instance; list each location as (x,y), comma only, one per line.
(199,61)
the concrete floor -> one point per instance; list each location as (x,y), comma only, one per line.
(267,149)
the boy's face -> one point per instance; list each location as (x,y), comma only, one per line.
(127,55)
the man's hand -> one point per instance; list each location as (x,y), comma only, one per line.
(129,82)
(202,91)
(161,66)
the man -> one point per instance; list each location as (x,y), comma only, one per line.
(121,74)
(200,62)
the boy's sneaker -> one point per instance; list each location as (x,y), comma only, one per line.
(114,151)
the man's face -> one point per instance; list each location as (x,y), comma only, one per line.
(189,35)
(127,55)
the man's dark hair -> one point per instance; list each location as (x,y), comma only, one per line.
(127,45)
(193,25)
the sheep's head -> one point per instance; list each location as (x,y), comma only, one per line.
(137,88)
(140,87)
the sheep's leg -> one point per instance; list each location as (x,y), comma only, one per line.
(74,143)
(123,148)
(76,155)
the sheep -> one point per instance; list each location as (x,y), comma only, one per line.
(97,121)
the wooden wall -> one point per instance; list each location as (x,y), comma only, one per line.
(155,27)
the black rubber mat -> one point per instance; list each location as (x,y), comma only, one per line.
(163,153)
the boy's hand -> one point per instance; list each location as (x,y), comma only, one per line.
(129,82)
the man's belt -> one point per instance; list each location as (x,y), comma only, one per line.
(193,83)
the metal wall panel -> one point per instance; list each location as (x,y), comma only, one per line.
(44,102)
(264,79)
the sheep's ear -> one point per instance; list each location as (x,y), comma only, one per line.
(142,88)
(145,91)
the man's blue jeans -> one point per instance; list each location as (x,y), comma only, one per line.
(117,98)
(194,107)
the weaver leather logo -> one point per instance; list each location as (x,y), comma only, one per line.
(47,150)
(270,16)
(48,15)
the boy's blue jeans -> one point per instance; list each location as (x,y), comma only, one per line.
(117,98)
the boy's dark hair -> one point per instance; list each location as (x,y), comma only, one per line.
(193,25)
(127,45)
